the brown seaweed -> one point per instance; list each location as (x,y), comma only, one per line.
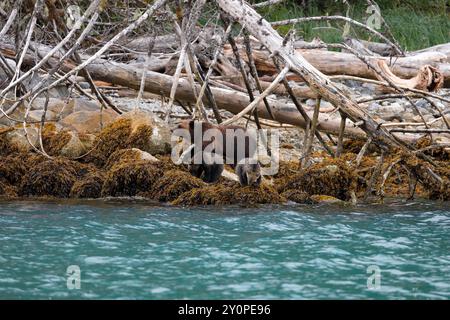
(130,178)
(173,184)
(331,177)
(219,194)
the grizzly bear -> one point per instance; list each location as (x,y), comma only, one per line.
(249,172)
(232,143)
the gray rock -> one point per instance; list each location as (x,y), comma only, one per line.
(387,112)
(60,91)
(418,118)
(84,85)
(422,104)
(323,104)
(36,115)
(374,107)
(407,116)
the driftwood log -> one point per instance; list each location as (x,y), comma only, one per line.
(341,63)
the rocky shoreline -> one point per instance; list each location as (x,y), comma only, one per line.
(96,154)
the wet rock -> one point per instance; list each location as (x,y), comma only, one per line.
(318,199)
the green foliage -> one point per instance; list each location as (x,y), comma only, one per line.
(415,24)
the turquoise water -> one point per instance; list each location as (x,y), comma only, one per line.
(133,250)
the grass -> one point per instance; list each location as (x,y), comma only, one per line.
(415,24)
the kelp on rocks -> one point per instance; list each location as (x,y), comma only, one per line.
(296,196)
(49,178)
(125,155)
(111,138)
(88,187)
(173,184)
(7,190)
(231,193)
(12,169)
(436,191)
(130,177)
(131,130)
(332,177)
(53,177)
(116,167)
(6,147)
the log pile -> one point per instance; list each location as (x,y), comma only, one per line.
(243,66)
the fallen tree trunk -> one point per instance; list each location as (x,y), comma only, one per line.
(338,63)
(229,100)
(441,48)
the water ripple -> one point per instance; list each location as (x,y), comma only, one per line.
(129,250)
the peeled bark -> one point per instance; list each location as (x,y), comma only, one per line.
(427,79)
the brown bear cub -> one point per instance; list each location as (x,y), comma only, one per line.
(208,170)
(231,143)
(242,145)
(249,172)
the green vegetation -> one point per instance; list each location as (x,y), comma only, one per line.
(415,24)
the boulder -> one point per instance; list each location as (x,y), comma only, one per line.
(18,139)
(148,132)
(132,130)
(88,121)
(319,199)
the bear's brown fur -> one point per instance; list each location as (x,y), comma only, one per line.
(240,136)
